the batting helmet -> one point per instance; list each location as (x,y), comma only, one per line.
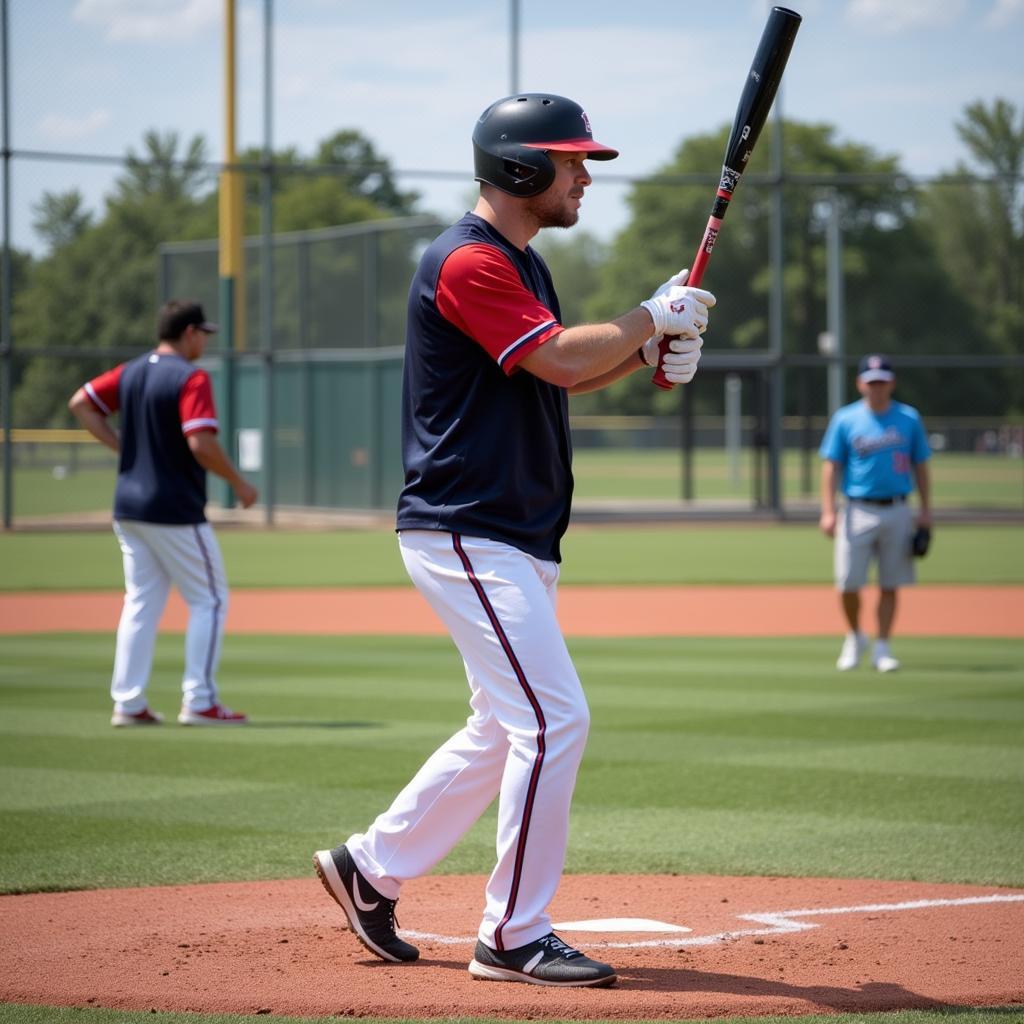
(513,136)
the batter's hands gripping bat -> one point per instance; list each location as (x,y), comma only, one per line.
(756,101)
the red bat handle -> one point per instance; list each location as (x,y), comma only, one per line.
(700,261)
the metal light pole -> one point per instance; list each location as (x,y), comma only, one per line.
(513,47)
(6,283)
(267,267)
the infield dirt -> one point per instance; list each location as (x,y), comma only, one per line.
(755,946)
(727,946)
(583,611)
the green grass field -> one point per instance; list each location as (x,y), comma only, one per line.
(687,553)
(960,480)
(717,756)
(720,756)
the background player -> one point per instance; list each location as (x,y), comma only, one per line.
(168,440)
(876,449)
(488,483)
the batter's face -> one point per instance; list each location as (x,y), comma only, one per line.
(558,206)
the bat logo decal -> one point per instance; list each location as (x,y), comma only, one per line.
(745,134)
(730,179)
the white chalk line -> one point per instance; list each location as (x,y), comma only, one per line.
(780,922)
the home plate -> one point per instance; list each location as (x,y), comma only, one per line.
(620,924)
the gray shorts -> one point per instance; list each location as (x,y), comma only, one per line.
(880,532)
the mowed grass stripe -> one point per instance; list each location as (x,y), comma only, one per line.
(722,756)
(684,552)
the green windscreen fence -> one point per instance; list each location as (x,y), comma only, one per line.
(324,383)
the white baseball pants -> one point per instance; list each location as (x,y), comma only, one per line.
(522,742)
(155,556)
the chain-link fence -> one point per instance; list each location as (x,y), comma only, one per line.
(812,269)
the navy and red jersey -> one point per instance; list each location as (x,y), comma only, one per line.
(486,447)
(162,398)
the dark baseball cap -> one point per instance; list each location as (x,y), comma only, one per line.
(177,315)
(875,367)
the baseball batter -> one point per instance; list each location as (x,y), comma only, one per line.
(488,481)
(167,442)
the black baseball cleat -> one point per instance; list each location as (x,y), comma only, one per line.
(370,915)
(548,961)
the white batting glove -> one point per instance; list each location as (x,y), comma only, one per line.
(675,281)
(649,351)
(680,310)
(679,364)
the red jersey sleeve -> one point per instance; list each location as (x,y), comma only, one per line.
(195,404)
(102,390)
(480,293)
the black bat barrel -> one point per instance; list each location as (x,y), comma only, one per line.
(761,85)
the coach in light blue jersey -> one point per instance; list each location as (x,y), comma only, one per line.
(875,451)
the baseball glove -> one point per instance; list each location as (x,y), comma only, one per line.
(920,542)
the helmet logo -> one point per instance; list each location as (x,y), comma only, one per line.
(586,122)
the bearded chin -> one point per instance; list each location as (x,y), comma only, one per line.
(554,214)
(561,218)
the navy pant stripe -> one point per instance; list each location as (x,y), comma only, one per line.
(531,794)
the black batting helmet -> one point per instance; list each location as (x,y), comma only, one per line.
(513,135)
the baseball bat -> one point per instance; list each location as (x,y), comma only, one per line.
(752,111)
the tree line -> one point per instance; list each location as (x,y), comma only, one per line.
(928,270)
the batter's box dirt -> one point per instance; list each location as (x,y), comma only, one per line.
(684,947)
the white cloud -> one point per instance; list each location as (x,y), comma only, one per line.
(888,18)
(148,20)
(61,128)
(1003,13)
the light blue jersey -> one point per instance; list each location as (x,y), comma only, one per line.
(876,450)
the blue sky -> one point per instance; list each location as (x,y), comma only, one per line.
(90,76)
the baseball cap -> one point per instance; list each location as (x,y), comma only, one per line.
(875,367)
(179,314)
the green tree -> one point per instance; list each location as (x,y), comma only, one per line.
(898,297)
(97,288)
(977,227)
(60,217)
(364,172)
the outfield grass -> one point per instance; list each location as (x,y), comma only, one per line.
(684,553)
(643,474)
(706,756)
(623,474)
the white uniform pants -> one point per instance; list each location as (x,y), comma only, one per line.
(522,742)
(155,556)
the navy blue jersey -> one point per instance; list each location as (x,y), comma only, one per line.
(486,447)
(158,477)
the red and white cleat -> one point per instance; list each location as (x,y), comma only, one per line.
(217,715)
(121,719)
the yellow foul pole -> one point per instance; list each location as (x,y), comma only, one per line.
(230,266)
